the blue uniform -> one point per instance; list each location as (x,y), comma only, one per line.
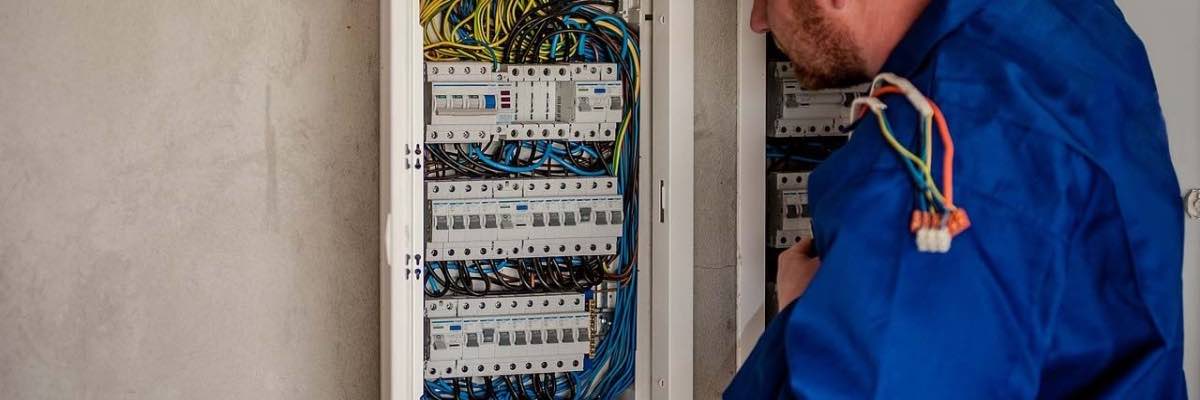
(1068,283)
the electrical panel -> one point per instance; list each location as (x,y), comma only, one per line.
(788,218)
(804,128)
(794,112)
(519,199)
(530,168)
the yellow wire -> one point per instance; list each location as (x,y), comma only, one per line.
(931,187)
(493,32)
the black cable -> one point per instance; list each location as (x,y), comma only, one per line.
(551,271)
(571,384)
(430,275)
(487,283)
(500,278)
(525,277)
(551,382)
(538,389)
(537,272)
(518,27)
(450,282)
(509,385)
(464,276)
(471,390)
(521,384)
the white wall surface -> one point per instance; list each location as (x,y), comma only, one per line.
(1171,31)
(189,199)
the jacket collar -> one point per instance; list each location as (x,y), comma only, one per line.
(940,19)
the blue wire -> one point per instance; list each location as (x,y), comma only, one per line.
(617,348)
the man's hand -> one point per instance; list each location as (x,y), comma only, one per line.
(796,270)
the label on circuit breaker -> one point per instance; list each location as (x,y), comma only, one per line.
(601,101)
(516,188)
(531,248)
(471,103)
(507,344)
(571,132)
(506,305)
(528,218)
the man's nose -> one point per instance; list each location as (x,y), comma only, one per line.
(758,17)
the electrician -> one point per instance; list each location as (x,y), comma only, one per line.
(1066,283)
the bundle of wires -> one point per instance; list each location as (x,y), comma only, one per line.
(937,219)
(547,31)
(789,155)
(516,276)
(517,159)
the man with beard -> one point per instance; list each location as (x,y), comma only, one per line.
(1066,283)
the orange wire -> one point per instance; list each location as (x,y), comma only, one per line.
(947,142)
(947,155)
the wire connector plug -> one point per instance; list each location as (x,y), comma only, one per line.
(934,232)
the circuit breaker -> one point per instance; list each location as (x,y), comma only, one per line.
(788,218)
(794,112)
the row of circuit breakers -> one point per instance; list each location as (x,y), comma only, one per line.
(515,218)
(479,102)
(798,114)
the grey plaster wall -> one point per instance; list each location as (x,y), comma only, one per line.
(188,199)
(715,325)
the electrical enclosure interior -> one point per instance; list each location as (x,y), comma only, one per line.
(803,127)
(520,172)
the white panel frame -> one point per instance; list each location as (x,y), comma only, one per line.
(751,183)
(672,140)
(663,359)
(401,134)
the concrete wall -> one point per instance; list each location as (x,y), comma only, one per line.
(715,323)
(188,199)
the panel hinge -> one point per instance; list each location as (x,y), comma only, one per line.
(1192,204)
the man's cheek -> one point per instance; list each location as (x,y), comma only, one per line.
(780,14)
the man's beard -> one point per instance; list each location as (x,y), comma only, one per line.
(823,53)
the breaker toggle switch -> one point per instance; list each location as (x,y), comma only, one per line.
(793,211)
